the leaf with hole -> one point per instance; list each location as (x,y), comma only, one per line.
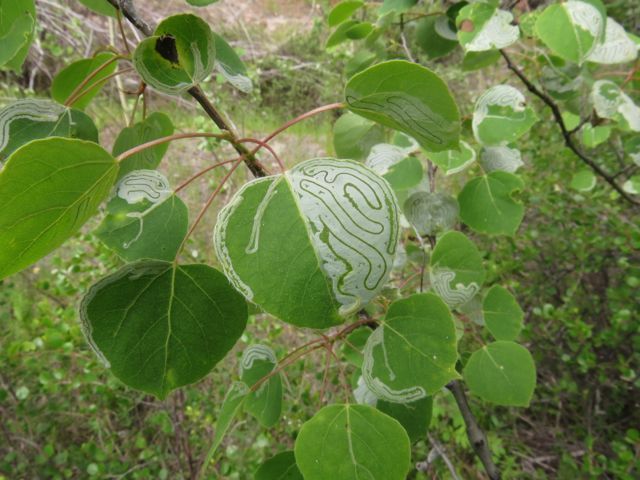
(312,245)
(483,27)
(502,373)
(17,31)
(501,116)
(145,219)
(156,125)
(487,204)
(48,189)
(455,269)
(70,77)
(35,118)
(159,326)
(352,442)
(413,353)
(407,97)
(279,467)
(180,54)
(265,403)
(502,314)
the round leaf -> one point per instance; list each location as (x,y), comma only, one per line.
(407,97)
(617,46)
(502,314)
(181,54)
(501,158)
(414,417)
(487,205)
(431,213)
(312,245)
(483,27)
(501,116)
(280,467)
(583,181)
(456,269)
(502,373)
(48,189)
(145,219)
(413,353)
(160,326)
(352,442)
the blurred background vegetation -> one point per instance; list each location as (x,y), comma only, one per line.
(574,266)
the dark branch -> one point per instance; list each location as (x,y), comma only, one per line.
(568,140)
(477,438)
(129,12)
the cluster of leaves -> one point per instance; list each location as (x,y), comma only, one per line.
(316,244)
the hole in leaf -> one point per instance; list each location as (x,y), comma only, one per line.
(166,47)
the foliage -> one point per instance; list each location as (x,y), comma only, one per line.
(322,244)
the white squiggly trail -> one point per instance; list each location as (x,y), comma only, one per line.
(141,185)
(586,17)
(617,47)
(38,110)
(500,158)
(498,96)
(256,352)
(363,395)
(353,219)
(452,161)
(383,156)
(497,32)
(241,82)
(443,29)
(254,239)
(610,102)
(453,295)
(376,385)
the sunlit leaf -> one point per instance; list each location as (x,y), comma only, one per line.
(594,136)
(352,442)
(336,218)
(583,180)
(407,97)
(343,11)
(617,46)
(159,326)
(609,101)
(482,27)
(48,189)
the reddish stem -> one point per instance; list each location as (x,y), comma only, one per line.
(91,76)
(202,172)
(71,101)
(268,147)
(170,138)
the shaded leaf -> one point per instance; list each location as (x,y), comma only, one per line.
(502,314)
(265,403)
(280,467)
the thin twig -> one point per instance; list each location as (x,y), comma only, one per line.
(568,140)
(170,138)
(70,99)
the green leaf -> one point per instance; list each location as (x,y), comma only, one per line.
(280,467)
(405,174)
(48,189)
(352,442)
(435,36)
(156,125)
(102,7)
(483,27)
(594,136)
(487,204)
(336,218)
(415,417)
(609,101)
(456,269)
(17,31)
(571,29)
(632,149)
(478,60)
(501,116)
(454,161)
(431,213)
(201,3)
(395,165)
(66,81)
(502,314)
(502,373)
(233,401)
(265,403)
(632,185)
(34,118)
(353,136)
(339,35)
(413,353)
(353,346)
(397,6)
(359,31)
(159,326)
(407,97)
(617,46)
(343,11)
(144,218)
(501,158)
(583,181)
(228,63)
(180,55)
